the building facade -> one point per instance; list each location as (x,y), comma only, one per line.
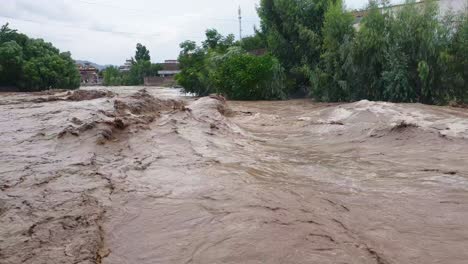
(89,74)
(127,66)
(445,7)
(166,76)
(169,68)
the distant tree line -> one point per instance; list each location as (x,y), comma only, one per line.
(141,67)
(409,54)
(34,65)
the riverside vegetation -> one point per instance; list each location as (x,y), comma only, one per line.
(411,54)
(33,64)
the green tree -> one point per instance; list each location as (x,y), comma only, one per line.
(293,33)
(371,45)
(405,55)
(11,62)
(409,54)
(216,41)
(142,53)
(194,73)
(141,67)
(112,76)
(331,80)
(50,71)
(416,40)
(33,65)
(455,59)
(6,33)
(254,42)
(195,62)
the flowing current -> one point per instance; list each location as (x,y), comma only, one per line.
(125,176)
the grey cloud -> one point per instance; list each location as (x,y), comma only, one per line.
(58,10)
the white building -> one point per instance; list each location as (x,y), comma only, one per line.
(452,5)
(126,67)
(445,6)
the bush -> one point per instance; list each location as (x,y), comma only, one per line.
(219,66)
(241,76)
(112,76)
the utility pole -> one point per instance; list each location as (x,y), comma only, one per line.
(240,23)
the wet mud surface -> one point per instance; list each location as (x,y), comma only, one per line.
(150,176)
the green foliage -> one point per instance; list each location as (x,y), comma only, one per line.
(455,60)
(215,41)
(404,55)
(241,76)
(417,39)
(112,76)
(220,66)
(370,45)
(34,65)
(194,73)
(50,71)
(293,33)
(11,61)
(330,79)
(254,42)
(141,68)
(142,53)
(395,81)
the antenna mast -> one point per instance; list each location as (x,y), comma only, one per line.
(240,23)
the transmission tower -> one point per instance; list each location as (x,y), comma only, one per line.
(240,24)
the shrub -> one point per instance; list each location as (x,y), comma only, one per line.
(241,76)
(229,71)
(112,76)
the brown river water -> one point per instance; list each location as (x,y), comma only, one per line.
(144,177)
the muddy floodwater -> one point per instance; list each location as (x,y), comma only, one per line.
(130,176)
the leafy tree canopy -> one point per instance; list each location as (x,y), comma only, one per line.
(34,65)
(142,53)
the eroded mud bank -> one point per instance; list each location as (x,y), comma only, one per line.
(151,177)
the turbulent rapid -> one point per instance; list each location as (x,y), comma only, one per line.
(130,175)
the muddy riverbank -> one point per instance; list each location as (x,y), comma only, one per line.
(152,176)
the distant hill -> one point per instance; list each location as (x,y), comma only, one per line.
(97,66)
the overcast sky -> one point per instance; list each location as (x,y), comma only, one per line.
(106,31)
